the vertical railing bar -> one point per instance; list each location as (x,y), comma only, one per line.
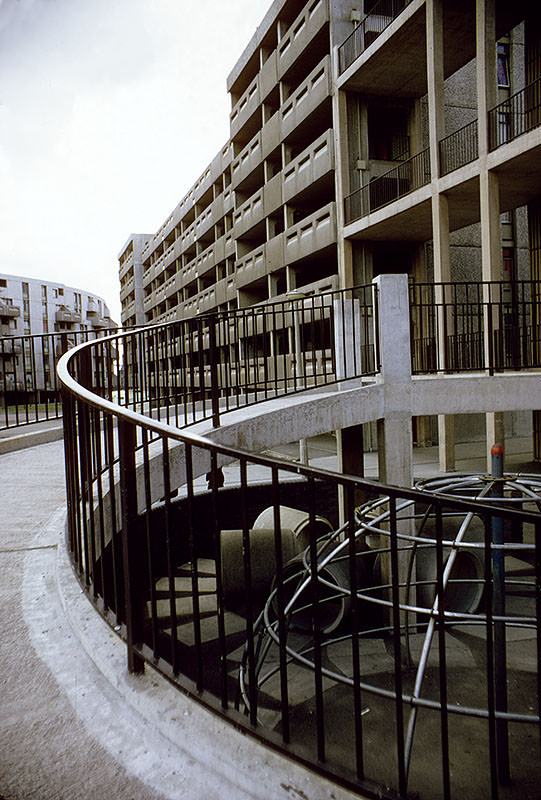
(355,628)
(537,557)
(250,645)
(175,337)
(444,722)
(130,546)
(280,605)
(115,533)
(220,600)
(194,570)
(170,550)
(397,645)
(99,484)
(491,699)
(149,537)
(316,617)
(34,378)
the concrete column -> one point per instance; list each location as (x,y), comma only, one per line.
(347,337)
(491,250)
(486,68)
(342,186)
(395,454)
(350,452)
(395,430)
(435,80)
(440,205)
(446,442)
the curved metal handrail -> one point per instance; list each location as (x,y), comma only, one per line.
(147,565)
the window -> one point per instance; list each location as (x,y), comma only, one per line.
(3,283)
(503,66)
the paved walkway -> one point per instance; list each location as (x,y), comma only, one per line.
(74,724)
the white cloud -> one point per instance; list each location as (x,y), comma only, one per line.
(109,111)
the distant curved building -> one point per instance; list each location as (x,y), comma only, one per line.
(33,305)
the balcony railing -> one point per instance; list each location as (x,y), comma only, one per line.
(518,114)
(459,148)
(399,181)
(460,327)
(7,310)
(379,18)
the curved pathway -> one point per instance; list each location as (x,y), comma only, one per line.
(74,724)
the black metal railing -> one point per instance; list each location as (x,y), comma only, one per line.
(458,327)
(373,650)
(517,114)
(459,148)
(367,31)
(29,387)
(195,369)
(397,182)
(192,369)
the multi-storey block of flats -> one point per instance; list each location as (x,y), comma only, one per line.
(32,307)
(365,137)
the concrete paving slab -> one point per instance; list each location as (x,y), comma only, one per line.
(75,723)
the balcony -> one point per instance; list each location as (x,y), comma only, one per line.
(99,323)
(518,114)
(397,182)
(7,310)
(274,253)
(251,267)
(249,214)
(187,239)
(313,234)
(92,306)
(271,134)
(205,261)
(68,316)
(9,347)
(368,31)
(268,76)
(307,97)
(148,301)
(245,107)
(204,222)
(311,165)
(301,33)
(247,160)
(459,148)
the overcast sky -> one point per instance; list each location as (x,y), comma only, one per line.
(109,112)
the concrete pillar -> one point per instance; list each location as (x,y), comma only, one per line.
(440,205)
(435,80)
(489,201)
(347,337)
(486,68)
(395,454)
(446,442)
(350,452)
(342,186)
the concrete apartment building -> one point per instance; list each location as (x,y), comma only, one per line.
(31,306)
(365,137)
